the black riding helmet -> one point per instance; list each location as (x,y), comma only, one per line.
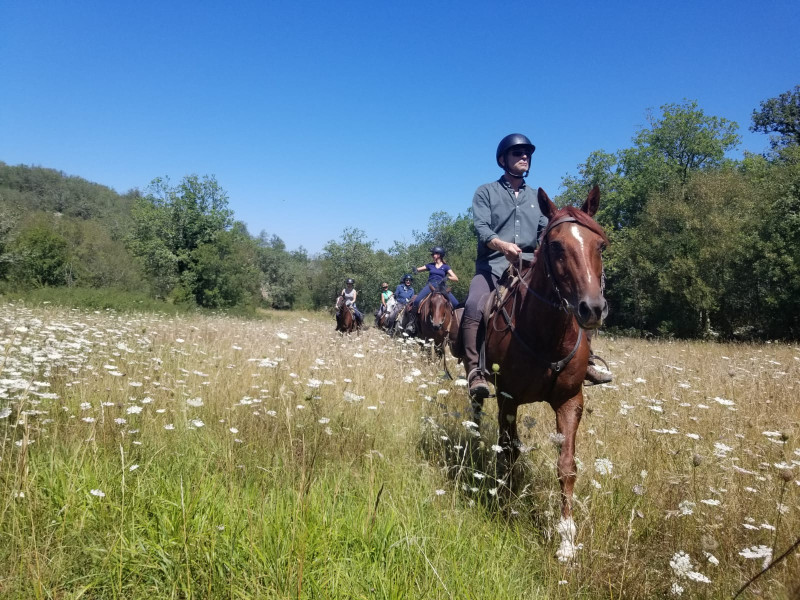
(349,280)
(407,276)
(508,142)
(438,250)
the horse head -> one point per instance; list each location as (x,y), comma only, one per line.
(571,250)
(439,311)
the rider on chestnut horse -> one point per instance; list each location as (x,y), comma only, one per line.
(509,221)
(439,271)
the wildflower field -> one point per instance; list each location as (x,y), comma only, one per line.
(146,456)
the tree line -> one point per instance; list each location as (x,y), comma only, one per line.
(702,245)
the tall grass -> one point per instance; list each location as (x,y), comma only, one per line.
(203,457)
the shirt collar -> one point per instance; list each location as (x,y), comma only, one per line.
(507,185)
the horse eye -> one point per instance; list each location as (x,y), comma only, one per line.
(602,247)
(556,248)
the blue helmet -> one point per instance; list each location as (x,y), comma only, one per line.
(407,276)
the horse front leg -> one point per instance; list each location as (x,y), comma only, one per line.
(509,439)
(568,417)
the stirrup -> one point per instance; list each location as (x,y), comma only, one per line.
(594,376)
(480,389)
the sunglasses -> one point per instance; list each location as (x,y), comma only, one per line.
(518,153)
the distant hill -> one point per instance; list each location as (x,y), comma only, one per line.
(25,189)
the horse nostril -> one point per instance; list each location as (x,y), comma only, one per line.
(592,311)
(584,311)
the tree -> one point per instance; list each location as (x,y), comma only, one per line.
(353,256)
(780,115)
(170,223)
(224,271)
(284,274)
(39,254)
(682,140)
(687,139)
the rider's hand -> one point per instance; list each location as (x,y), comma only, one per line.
(511,251)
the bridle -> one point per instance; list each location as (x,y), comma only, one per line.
(562,304)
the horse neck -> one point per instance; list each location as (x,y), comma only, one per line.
(542,316)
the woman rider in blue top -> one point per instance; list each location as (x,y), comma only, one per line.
(438,272)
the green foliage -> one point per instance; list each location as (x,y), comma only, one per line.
(39,255)
(175,229)
(223,272)
(686,139)
(38,189)
(353,256)
(107,298)
(285,275)
(780,115)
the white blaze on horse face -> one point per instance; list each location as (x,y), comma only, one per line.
(576,233)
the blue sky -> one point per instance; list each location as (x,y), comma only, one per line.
(317,116)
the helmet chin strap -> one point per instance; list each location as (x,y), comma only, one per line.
(515,176)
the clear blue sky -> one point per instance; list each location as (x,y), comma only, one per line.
(316,116)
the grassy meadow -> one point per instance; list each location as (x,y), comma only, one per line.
(153,456)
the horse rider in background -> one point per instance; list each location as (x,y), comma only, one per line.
(350,295)
(439,271)
(402,294)
(509,223)
(387,301)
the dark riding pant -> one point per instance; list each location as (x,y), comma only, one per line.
(424,292)
(471,321)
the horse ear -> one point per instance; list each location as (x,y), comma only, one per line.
(592,201)
(546,205)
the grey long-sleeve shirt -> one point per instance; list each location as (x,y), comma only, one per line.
(497,213)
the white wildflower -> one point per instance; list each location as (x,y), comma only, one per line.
(603,466)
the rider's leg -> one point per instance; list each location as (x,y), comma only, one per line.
(414,307)
(471,324)
(453,300)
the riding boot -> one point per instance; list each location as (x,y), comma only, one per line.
(594,375)
(478,388)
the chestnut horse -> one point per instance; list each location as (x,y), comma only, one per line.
(535,335)
(345,319)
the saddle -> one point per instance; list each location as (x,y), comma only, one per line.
(508,281)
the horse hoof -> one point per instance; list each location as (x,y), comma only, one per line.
(568,549)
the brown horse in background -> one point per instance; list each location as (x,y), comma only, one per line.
(435,318)
(535,335)
(346,321)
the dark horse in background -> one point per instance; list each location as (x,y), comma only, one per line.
(345,317)
(536,334)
